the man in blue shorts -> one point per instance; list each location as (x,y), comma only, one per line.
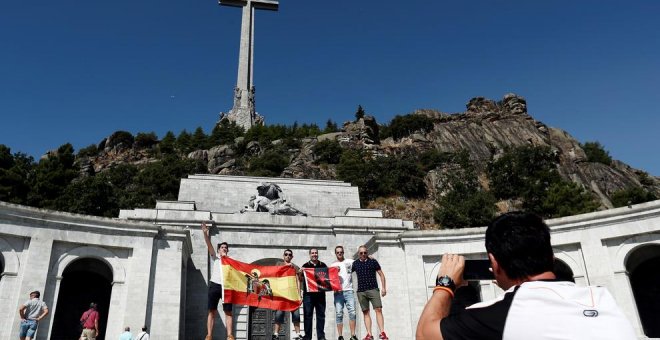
(31,312)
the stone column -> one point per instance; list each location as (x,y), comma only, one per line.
(35,273)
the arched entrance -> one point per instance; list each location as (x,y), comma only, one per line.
(83,281)
(261,321)
(643,266)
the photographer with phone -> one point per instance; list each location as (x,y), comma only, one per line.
(535,305)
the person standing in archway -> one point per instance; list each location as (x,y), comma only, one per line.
(31,312)
(215,288)
(90,322)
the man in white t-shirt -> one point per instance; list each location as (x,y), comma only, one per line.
(142,335)
(215,288)
(344,297)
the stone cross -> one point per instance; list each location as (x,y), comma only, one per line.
(243,112)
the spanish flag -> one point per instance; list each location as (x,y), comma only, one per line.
(271,287)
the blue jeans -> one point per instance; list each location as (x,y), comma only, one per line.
(312,301)
(344,298)
(295,316)
(28,328)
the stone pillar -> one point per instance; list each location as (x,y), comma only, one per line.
(167,289)
(35,273)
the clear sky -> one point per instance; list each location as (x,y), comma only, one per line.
(76,71)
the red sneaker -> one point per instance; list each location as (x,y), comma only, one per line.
(368,337)
(383,336)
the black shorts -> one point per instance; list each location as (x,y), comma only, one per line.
(215,294)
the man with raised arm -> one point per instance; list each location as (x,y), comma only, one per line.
(215,287)
(535,305)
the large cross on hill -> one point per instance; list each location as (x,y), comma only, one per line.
(243,111)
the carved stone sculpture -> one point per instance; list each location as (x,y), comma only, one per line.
(269,199)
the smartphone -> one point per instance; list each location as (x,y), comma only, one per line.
(477,270)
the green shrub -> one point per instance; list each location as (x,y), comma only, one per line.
(270,164)
(225,133)
(88,151)
(465,204)
(631,196)
(566,199)
(120,137)
(359,113)
(596,153)
(404,126)
(327,151)
(145,140)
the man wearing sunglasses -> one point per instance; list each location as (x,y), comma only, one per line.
(314,301)
(295,315)
(344,297)
(366,269)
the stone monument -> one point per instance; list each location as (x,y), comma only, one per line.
(243,113)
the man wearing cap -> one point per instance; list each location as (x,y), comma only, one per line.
(31,312)
(90,322)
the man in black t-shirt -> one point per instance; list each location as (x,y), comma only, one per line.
(535,304)
(366,269)
(314,301)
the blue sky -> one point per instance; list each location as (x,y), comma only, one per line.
(75,71)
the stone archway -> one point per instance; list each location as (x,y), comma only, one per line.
(84,280)
(261,321)
(642,265)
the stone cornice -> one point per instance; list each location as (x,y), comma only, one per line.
(29,217)
(593,220)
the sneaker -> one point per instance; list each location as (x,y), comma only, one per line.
(353,337)
(297,337)
(368,337)
(275,337)
(383,336)
(340,338)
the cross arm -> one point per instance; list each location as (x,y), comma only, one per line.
(272,5)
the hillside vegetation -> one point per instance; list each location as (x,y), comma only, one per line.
(439,170)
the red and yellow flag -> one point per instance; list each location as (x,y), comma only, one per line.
(271,287)
(322,279)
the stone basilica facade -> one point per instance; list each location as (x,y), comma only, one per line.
(150,266)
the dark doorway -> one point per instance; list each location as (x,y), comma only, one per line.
(262,322)
(644,268)
(83,281)
(2,266)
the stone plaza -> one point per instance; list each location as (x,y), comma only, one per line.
(150,266)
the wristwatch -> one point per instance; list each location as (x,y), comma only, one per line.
(445,281)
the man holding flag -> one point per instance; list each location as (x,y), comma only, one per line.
(314,299)
(295,314)
(215,287)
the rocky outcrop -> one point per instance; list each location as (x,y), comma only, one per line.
(486,129)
